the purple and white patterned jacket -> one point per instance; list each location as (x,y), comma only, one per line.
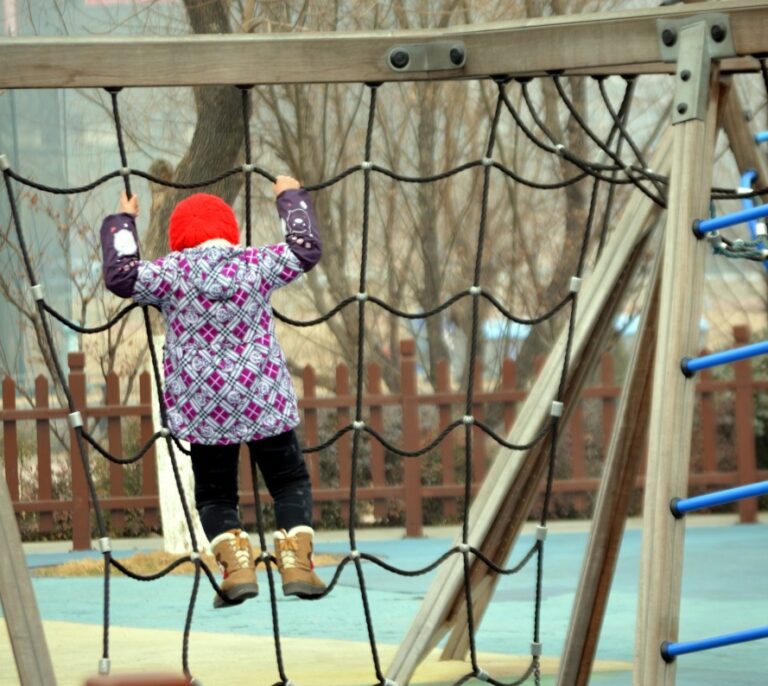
(226,380)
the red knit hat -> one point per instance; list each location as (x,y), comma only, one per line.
(199,218)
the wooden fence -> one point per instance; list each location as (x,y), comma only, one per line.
(389,487)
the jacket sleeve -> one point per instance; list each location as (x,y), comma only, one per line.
(300,226)
(148,283)
(120,253)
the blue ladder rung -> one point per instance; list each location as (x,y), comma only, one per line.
(703,226)
(691,365)
(680,506)
(669,650)
(761,137)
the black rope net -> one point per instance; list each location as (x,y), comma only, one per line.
(613,170)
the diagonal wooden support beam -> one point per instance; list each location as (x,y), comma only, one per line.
(671,421)
(504,500)
(22,618)
(625,455)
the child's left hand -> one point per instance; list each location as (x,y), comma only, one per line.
(129,205)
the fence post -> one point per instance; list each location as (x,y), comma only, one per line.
(44,477)
(412,468)
(81,516)
(376,414)
(344,443)
(149,461)
(115,447)
(10,440)
(309,385)
(744,415)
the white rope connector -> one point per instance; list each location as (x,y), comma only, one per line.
(764,253)
(194,556)
(541,532)
(38,292)
(557,409)
(760,229)
(361,297)
(575,284)
(482,675)
(649,171)
(247,168)
(475,290)
(463,547)
(75,419)
(743,190)
(5,165)
(487,161)
(467,419)
(560,148)
(195,682)
(164,431)
(104,666)
(358,425)
(264,556)
(389,682)
(366,165)
(105,545)
(354,554)
(535,649)
(125,171)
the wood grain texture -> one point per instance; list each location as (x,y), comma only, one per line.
(608,42)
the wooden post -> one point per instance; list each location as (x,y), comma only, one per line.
(115,447)
(309,385)
(344,443)
(673,394)
(503,501)
(744,418)
(25,629)
(10,441)
(376,418)
(81,516)
(625,453)
(149,461)
(44,478)
(446,447)
(412,465)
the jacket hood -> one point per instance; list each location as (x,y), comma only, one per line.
(214,271)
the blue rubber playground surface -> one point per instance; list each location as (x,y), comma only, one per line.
(725,589)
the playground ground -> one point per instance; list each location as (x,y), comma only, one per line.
(324,643)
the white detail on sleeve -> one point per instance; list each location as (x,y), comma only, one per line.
(125,243)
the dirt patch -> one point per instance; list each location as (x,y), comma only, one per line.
(152,563)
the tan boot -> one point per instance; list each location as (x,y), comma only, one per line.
(293,550)
(234,556)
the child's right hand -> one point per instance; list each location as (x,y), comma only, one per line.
(284,183)
(129,205)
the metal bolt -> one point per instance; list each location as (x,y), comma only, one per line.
(682,108)
(685,74)
(718,33)
(399,59)
(457,55)
(669,37)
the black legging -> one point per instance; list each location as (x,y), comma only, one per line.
(282,465)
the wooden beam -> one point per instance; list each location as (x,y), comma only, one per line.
(605,42)
(673,395)
(502,504)
(743,146)
(625,454)
(22,618)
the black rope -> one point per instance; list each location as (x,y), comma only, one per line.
(551,429)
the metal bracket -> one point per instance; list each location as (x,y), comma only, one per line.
(693,43)
(440,56)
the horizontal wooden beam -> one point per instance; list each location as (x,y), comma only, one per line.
(601,43)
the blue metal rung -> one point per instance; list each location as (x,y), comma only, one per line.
(761,137)
(703,226)
(669,651)
(691,365)
(680,506)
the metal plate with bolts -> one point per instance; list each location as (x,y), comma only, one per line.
(439,56)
